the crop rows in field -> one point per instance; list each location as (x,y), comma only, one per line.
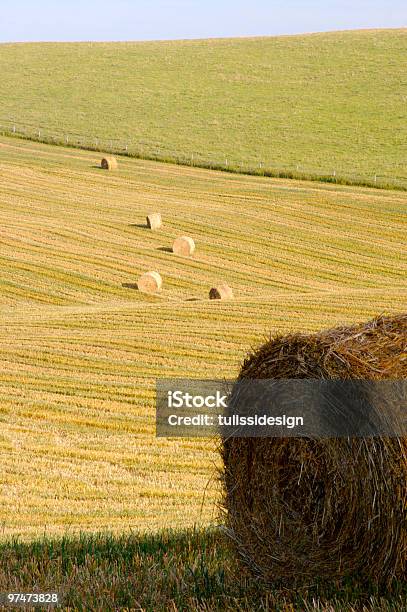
(80,352)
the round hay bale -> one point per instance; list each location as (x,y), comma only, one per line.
(221,292)
(150,282)
(108,163)
(154,221)
(301,509)
(183,246)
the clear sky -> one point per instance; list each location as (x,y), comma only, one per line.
(71,20)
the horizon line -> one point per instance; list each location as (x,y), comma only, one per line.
(209,38)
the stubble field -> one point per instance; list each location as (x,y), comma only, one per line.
(80,348)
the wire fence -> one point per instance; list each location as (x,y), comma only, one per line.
(228,163)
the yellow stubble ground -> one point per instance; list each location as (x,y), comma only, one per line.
(81,350)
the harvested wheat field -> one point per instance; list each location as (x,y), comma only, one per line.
(81,350)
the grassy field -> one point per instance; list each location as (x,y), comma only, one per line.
(331,104)
(183,570)
(81,349)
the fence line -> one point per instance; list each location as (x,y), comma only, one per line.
(146,150)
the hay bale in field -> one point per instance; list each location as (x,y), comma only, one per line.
(299,509)
(183,246)
(154,221)
(221,292)
(109,163)
(150,282)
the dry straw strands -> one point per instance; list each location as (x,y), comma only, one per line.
(183,246)
(154,221)
(301,509)
(221,292)
(108,163)
(150,282)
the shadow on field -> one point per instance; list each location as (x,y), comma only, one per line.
(140,225)
(130,285)
(165,249)
(169,570)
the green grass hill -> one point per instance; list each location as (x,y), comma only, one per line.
(332,104)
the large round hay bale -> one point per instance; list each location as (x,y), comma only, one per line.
(221,292)
(154,221)
(301,509)
(109,163)
(150,282)
(183,246)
